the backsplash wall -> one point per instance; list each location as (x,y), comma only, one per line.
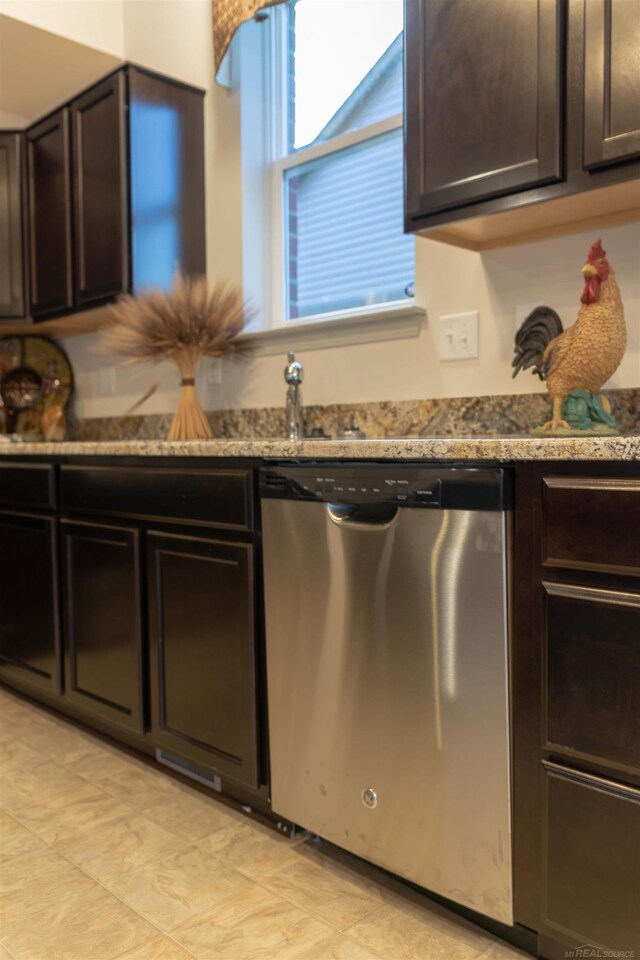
(451,417)
(448,280)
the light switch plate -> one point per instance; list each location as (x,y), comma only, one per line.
(458,336)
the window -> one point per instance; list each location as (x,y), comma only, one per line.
(336,190)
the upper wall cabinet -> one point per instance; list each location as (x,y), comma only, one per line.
(483,100)
(49,226)
(511,104)
(12,272)
(100,188)
(116,192)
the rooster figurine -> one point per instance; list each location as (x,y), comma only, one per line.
(577,362)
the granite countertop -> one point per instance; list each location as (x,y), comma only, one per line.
(625,447)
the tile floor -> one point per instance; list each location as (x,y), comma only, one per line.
(103,857)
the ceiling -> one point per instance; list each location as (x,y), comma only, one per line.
(40,70)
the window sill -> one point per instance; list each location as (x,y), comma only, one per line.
(400,320)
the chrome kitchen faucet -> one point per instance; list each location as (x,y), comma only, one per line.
(293,374)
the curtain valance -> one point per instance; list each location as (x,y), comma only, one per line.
(228,15)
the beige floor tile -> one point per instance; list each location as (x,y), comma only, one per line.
(405,934)
(16,840)
(35,784)
(141,787)
(98,762)
(72,813)
(66,744)
(160,948)
(340,947)
(193,816)
(179,888)
(32,884)
(4,953)
(123,844)
(327,889)
(275,930)
(26,719)
(251,848)
(15,754)
(92,926)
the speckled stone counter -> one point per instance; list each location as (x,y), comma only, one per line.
(458,448)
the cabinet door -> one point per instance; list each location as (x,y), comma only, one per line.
(592,863)
(29,630)
(202,645)
(12,273)
(100,191)
(166,140)
(49,183)
(611,81)
(103,622)
(483,100)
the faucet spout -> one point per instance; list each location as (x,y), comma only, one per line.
(293,374)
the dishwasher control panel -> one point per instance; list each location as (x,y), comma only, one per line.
(409,486)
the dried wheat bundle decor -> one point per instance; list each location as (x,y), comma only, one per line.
(191,322)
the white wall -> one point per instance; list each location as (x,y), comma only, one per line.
(96,23)
(174,36)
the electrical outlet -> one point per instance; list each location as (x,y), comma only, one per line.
(458,336)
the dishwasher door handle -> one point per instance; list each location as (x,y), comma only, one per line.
(366,515)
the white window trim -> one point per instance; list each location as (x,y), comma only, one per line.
(264,267)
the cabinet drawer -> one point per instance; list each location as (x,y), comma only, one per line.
(28,485)
(592,524)
(220,498)
(593,674)
(592,860)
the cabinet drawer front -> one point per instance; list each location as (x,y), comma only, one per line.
(27,485)
(592,860)
(593,674)
(592,524)
(212,497)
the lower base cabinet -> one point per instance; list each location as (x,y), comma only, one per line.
(29,631)
(103,622)
(576,707)
(202,652)
(591,861)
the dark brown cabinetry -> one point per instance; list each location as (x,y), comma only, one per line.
(203,682)
(100,191)
(12,252)
(576,694)
(29,628)
(159,589)
(483,100)
(510,104)
(611,82)
(102,617)
(49,189)
(116,192)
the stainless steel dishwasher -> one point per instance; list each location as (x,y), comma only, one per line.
(386,636)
